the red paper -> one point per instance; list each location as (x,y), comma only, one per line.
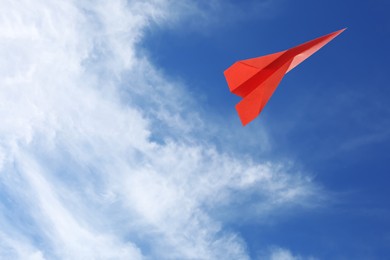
(255,80)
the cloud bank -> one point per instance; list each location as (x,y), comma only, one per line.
(101,157)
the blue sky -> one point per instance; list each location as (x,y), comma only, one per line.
(119,138)
(330,115)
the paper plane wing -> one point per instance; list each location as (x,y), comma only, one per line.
(252,104)
(241,73)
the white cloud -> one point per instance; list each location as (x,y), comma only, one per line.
(101,157)
(282,254)
(201,15)
(278,253)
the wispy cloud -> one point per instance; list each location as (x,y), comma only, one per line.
(203,15)
(278,253)
(100,156)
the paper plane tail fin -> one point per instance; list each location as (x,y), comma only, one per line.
(251,106)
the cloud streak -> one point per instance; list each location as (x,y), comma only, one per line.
(101,158)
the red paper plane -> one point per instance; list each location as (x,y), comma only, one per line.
(255,80)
